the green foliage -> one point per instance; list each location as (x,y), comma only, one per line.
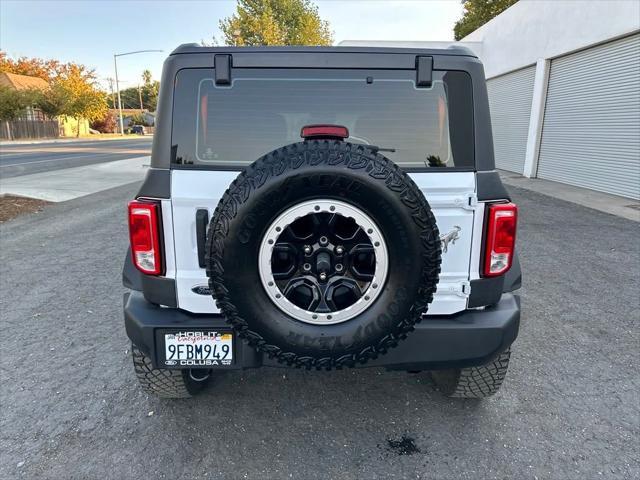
(138,119)
(13,103)
(477,13)
(276,22)
(52,102)
(130,97)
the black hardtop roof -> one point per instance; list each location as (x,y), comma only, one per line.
(456,50)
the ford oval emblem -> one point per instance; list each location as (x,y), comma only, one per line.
(201,290)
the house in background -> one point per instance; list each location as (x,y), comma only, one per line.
(128,115)
(34,123)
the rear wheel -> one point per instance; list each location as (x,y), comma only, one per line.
(473,382)
(166,383)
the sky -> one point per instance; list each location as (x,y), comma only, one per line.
(91,31)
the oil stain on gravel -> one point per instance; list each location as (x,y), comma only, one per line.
(404,446)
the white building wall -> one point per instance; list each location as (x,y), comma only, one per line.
(535,32)
(535,29)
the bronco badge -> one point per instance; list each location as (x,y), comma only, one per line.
(450,238)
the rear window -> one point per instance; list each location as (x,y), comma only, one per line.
(263,110)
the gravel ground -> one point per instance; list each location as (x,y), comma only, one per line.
(71,408)
(12,206)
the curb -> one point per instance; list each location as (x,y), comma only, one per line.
(9,143)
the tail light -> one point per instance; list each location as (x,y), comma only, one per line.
(144,231)
(501,238)
(324,131)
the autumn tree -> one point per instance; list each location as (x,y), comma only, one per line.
(276,22)
(33,67)
(107,124)
(72,91)
(477,13)
(73,94)
(79,96)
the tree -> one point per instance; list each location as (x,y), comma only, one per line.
(51,102)
(138,119)
(149,91)
(72,94)
(477,13)
(48,70)
(130,97)
(34,67)
(276,22)
(13,103)
(146,77)
(72,89)
(105,125)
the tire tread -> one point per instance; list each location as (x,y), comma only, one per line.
(474,382)
(161,382)
(331,153)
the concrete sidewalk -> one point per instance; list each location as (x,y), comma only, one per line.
(69,183)
(612,204)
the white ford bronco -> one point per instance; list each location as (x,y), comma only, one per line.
(322,208)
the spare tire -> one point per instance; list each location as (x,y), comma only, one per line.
(323,254)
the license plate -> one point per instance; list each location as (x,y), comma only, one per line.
(198,349)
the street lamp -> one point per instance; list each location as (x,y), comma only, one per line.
(115,63)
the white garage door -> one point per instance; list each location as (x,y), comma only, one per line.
(591,130)
(510,98)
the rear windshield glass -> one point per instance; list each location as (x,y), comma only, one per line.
(264,110)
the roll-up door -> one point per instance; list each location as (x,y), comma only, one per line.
(510,98)
(591,129)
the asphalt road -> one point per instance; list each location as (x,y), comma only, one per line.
(16,160)
(71,408)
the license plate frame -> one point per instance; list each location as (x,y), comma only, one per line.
(215,338)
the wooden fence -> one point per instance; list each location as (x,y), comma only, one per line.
(21,129)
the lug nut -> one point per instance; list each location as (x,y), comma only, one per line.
(339,250)
(306,267)
(338,267)
(307,249)
(323,241)
(323,276)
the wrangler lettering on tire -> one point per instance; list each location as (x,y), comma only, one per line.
(323,254)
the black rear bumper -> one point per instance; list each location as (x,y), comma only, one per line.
(470,338)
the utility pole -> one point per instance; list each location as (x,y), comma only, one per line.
(113,93)
(140,96)
(115,62)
